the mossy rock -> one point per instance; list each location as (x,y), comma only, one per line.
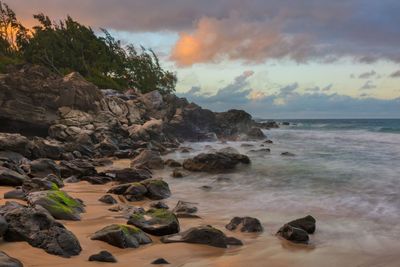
(122,236)
(157,222)
(156,189)
(58,203)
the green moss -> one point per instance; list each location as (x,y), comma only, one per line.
(54,186)
(162,214)
(137,216)
(129,230)
(62,198)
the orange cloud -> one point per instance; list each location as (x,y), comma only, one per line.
(235,39)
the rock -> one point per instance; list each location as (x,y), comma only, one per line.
(213,162)
(255,133)
(77,167)
(15,194)
(129,175)
(178,173)
(126,210)
(172,163)
(233,122)
(260,151)
(268,142)
(246,145)
(108,199)
(160,261)
(103,256)
(58,203)
(149,159)
(157,189)
(16,143)
(43,148)
(11,178)
(159,205)
(184,208)
(228,150)
(286,123)
(71,180)
(248,224)
(122,236)
(37,184)
(43,167)
(97,179)
(40,230)
(3,226)
(288,154)
(307,224)
(153,100)
(206,235)
(157,222)
(7,261)
(131,191)
(293,234)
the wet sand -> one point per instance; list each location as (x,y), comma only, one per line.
(330,245)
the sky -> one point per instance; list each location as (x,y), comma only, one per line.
(273,58)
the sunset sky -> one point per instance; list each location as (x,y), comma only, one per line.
(274,58)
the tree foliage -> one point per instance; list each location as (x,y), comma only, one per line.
(67,46)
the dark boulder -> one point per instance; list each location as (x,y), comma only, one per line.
(160,261)
(157,222)
(43,167)
(16,143)
(129,175)
(11,178)
(206,235)
(159,205)
(157,189)
(77,167)
(214,162)
(287,154)
(40,230)
(3,226)
(184,209)
(248,224)
(255,133)
(15,194)
(172,163)
(293,234)
(103,256)
(307,224)
(122,236)
(108,199)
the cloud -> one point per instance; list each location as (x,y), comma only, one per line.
(368,85)
(395,74)
(367,75)
(288,103)
(252,31)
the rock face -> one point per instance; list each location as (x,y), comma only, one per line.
(58,203)
(214,162)
(40,230)
(7,261)
(122,236)
(206,235)
(248,224)
(157,222)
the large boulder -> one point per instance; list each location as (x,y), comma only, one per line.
(39,229)
(7,261)
(157,189)
(122,236)
(233,122)
(58,203)
(214,162)
(129,175)
(77,168)
(206,235)
(157,222)
(11,178)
